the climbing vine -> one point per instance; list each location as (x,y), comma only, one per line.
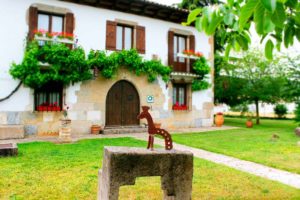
(202,69)
(67,65)
(108,65)
(63,65)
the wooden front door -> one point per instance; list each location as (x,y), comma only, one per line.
(122,105)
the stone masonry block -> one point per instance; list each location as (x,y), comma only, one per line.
(94,115)
(13,118)
(30,130)
(11,132)
(208,105)
(3,118)
(122,165)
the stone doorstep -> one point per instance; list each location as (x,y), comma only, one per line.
(11,132)
(124,130)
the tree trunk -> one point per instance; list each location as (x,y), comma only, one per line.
(257,112)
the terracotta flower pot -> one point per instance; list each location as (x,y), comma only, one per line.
(95,129)
(249,124)
(219,120)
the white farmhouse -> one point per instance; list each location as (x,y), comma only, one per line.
(153,29)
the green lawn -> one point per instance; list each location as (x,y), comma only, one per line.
(254,144)
(69,171)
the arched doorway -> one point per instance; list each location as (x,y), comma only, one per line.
(122,105)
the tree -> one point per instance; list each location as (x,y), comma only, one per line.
(280,110)
(293,87)
(276,22)
(251,78)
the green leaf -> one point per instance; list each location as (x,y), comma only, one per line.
(193,15)
(270,5)
(227,50)
(247,11)
(297,33)
(288,35)
(243,42)
(269,49)
(228,19)
(268,24)
(215,21)
(259,19)
(279,16)
(198,24)
(291,3)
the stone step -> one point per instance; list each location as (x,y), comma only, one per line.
(11,132)
(124,130)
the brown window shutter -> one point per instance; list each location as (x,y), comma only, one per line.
(170,48)
(141,39)
(69,23)
(192,42)
(111,32)
(33,21)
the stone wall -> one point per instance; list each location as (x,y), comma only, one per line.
(90,104)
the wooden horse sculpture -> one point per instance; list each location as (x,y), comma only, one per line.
(152,130)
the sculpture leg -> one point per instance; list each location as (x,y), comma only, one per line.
(149,142)
(152,141)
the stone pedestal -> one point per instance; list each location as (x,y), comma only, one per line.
(65,131)
(121,166)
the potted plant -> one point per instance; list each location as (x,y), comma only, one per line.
(249,123)
(219,119)
(95,129)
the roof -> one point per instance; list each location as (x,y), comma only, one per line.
(139,7)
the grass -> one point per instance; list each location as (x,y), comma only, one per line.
(69,171)
(254,144)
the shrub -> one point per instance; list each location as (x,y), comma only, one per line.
(280,110)
(242,108)
(297,113)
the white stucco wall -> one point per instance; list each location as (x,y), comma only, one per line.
(90,28)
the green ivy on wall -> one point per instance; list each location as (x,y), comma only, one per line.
(65,65)
(202,69)
(108,65)
(70,66)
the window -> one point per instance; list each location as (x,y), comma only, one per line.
(49,97)
(50,22)
(180,97)
(179,47)
(124,37)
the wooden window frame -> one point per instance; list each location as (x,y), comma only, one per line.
(49,88)
(176,59)
(177,86)
(123,35)
(50,19)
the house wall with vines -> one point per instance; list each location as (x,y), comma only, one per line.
(90,28)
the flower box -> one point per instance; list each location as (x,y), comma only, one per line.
(179,107)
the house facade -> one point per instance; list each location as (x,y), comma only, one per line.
(154,30)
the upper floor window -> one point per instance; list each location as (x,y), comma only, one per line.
(50,22)
(124,37)
(121,36)
(179,47)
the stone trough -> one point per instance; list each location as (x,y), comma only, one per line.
(8,149)
(122,165)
